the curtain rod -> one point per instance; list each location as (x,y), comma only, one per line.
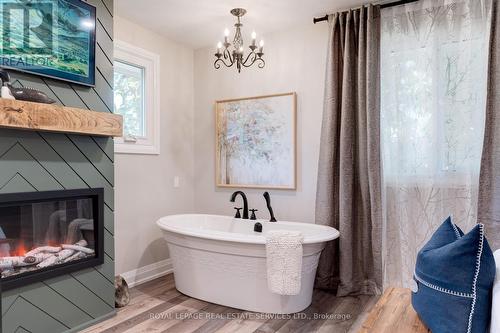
(384,5)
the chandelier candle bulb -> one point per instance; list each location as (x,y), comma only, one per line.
(261,44)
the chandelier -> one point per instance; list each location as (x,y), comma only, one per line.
(235,55)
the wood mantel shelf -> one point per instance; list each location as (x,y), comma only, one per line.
(23,115)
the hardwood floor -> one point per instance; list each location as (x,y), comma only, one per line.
(157,306)
(393,313)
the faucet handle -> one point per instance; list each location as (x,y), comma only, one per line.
(253,217)
(238,215)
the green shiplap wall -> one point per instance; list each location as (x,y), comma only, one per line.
(37,161)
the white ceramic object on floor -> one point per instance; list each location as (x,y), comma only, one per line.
(221,260)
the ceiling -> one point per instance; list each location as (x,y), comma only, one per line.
(200,23)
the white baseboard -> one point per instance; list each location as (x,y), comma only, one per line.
(148,272)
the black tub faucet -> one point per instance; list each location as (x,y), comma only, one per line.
(268,203)
(245,202)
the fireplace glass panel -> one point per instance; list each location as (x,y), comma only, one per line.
(41,235)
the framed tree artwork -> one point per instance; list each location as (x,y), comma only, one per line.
(256,142)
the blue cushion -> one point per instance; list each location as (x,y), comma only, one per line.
(454,279)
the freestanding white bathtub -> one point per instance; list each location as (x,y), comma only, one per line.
(221,260)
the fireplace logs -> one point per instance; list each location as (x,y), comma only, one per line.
(78,247)
(44,256)
(52,249)
(9,262)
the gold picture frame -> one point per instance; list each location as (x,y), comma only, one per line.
(256,142)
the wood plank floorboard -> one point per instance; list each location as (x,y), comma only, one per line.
(393,313)
(156,306)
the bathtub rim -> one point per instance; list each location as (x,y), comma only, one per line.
(330,233)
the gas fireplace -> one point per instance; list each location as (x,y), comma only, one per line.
(45,234)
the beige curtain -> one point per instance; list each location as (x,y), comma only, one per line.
(489,178)
(349,176)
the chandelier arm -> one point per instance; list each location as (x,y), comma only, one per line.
(217,63)
(252,60)
(227,56)
(256,59)
(249,64)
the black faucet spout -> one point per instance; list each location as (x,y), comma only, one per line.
(268,204)
(245,202)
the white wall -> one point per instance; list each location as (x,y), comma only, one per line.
(144,183)
(295,61)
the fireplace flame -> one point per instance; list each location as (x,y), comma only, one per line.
(21,249)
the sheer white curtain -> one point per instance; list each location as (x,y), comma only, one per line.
(434,57)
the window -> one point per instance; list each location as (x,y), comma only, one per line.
(434,56)
(136,89)
(129,97)
(433,83)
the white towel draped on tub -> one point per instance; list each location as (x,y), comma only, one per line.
(284,261)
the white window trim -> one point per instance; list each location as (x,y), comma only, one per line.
(151,63)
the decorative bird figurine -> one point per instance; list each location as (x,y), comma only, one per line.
(23,93)
(30,95)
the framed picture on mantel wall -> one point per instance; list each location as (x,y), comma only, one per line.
(256,142)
